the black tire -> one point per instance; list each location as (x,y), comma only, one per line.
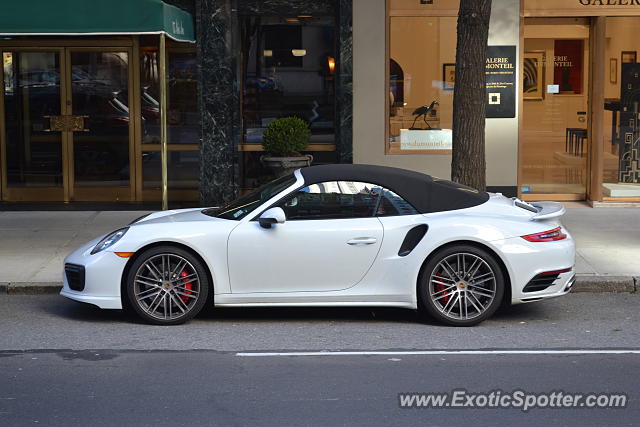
(168,295)
(450,291)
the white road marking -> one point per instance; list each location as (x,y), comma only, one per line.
(436,352)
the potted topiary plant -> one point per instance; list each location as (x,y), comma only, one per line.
(283,140)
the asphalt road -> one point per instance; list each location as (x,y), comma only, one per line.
(63,363)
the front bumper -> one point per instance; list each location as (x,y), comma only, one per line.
(103,275)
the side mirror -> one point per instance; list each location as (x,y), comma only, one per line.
(272,216)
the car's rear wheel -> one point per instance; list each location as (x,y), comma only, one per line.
(167,285)
(461,285)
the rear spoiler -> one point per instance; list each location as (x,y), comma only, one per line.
(542,210)
(548,210)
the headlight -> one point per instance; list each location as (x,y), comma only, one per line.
(109,240)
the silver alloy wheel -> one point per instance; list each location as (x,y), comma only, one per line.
(462,286)
(166,286)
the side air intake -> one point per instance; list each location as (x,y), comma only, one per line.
(412,239)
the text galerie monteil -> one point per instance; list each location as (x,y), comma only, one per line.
(610,2)
(493,63)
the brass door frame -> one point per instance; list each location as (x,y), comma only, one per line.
(587,68)
(64,48)
(31,193)
(153,194)
(102,193)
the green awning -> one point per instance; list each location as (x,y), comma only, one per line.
(94,17)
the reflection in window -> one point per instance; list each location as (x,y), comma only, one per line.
(344,199)
(100,92)
(32,93)
(246,204)
(554,140)
(421,65)
(332,200)
(182,114)
(288,70)
(183,170)
(393,205)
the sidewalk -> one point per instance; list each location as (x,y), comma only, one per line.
(34,244)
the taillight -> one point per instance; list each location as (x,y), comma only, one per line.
(546,236)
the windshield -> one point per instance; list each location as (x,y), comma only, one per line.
(246,204)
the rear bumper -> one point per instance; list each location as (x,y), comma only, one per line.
(562,286)
(528,260)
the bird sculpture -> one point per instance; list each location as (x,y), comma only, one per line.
(423,111)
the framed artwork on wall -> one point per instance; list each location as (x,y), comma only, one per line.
(629,57)
(533,79)
(613,70)
(448,76)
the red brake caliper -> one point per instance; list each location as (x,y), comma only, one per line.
(185,285)
(440,288)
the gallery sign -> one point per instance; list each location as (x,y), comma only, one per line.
(500,72)
(426,139)
(609,2)
(580,7)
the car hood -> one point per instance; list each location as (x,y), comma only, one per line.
(174,216)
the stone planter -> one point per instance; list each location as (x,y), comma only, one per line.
(284,165)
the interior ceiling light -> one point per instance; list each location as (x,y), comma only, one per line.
(299,52)
(267,52)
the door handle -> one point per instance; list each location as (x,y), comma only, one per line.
(66,123)
(362,241)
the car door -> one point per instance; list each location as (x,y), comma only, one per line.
(328,242)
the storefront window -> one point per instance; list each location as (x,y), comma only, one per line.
(183,171)
(288,68)
(621,157)
(422,56)
(182,115)
(183,168)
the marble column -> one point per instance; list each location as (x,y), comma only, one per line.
(219,101)
(219,88)
(344,83)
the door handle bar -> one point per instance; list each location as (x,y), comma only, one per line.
(362,241)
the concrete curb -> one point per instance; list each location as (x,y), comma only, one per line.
(30,288)
(598,284)
(584,283)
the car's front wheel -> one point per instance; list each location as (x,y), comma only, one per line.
(461,285)
(167,285)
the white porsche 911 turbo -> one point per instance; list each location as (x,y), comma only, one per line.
(334,235)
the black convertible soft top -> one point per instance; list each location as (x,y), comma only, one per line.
(427,194)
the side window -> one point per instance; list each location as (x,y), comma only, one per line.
(344,199)
(332,200)
(393,205)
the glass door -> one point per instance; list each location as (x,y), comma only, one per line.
(99,98)
(65,127)
(33,149)
(554,141)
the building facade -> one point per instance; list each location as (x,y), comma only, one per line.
(80,112)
